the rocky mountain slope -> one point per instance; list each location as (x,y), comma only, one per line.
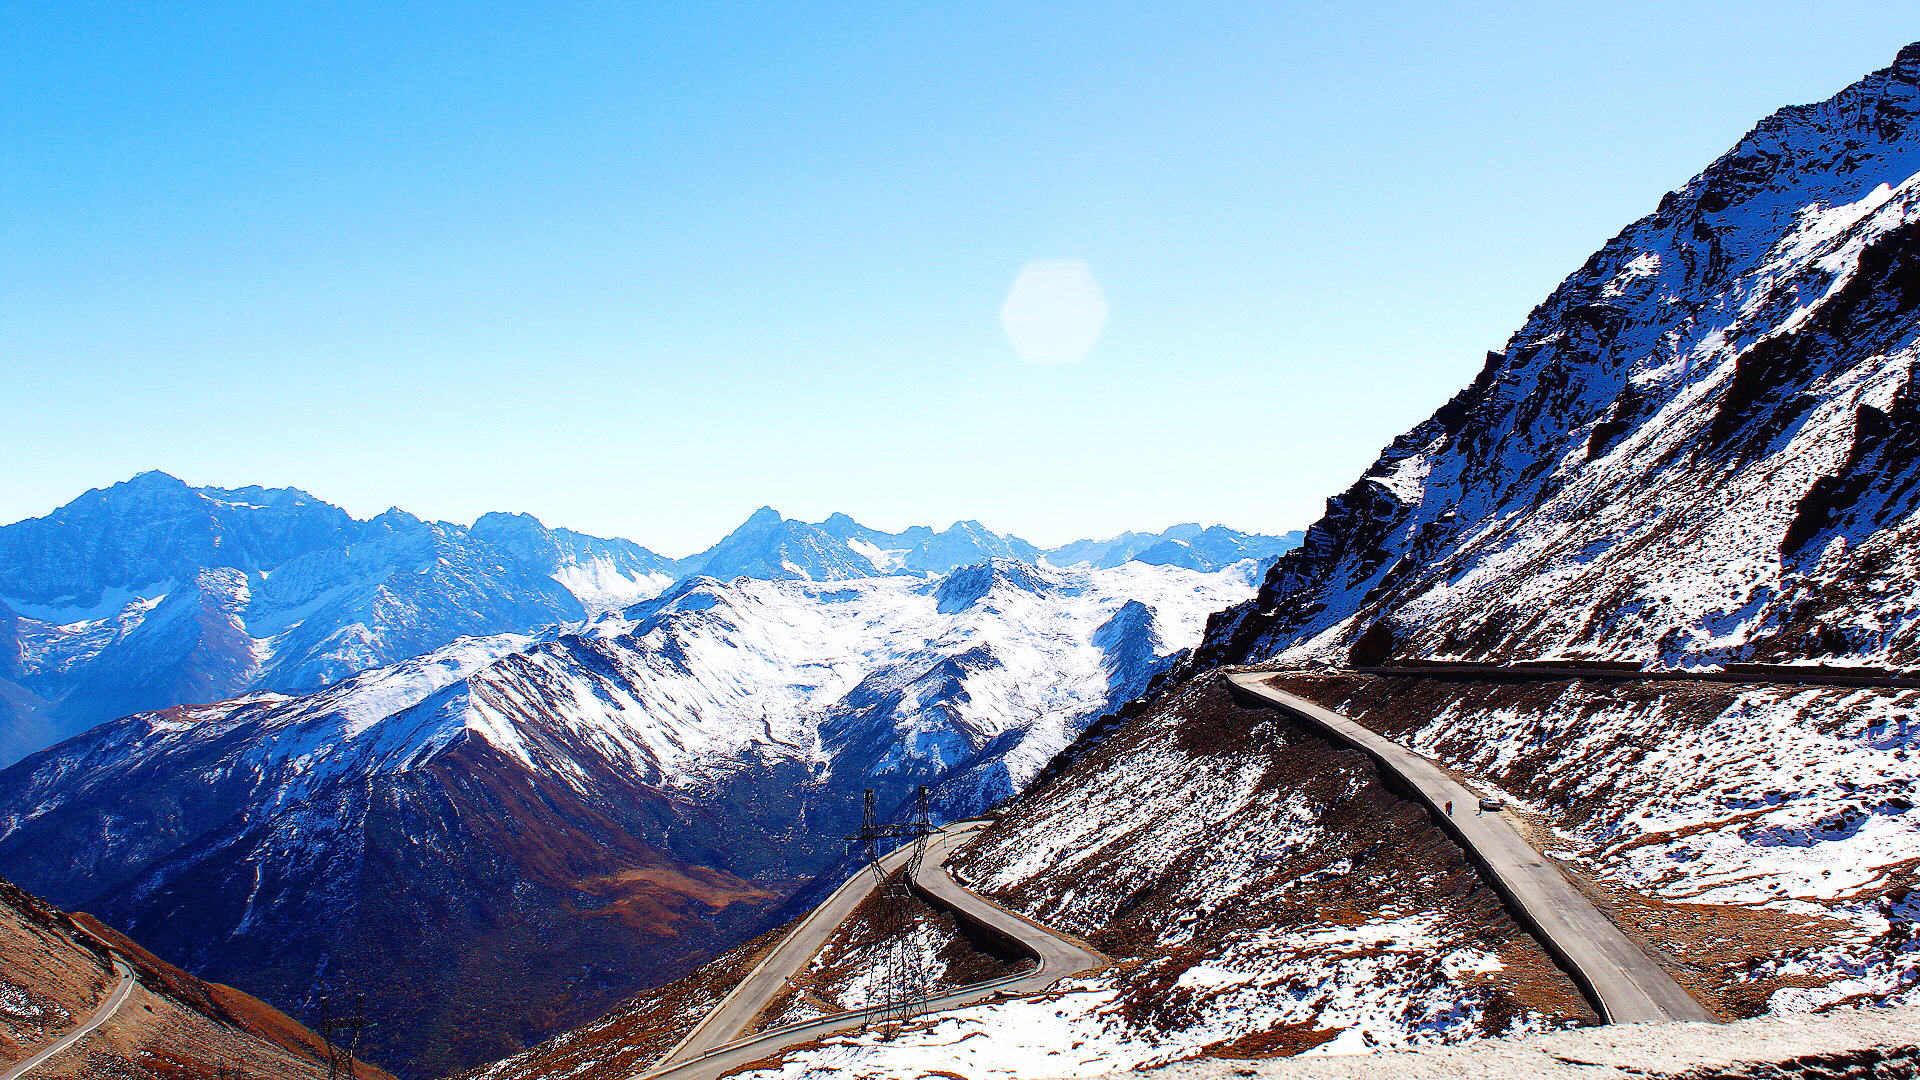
(505,836)
(1267,895)
(1263,892)
(57,968)
(1699,449)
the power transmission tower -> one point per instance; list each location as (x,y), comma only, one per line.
(339,1058)
(900,979)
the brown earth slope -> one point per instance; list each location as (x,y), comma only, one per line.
(57,968)
(646,1026)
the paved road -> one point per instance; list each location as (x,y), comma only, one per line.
(1624,984)
(1548,671)
(1058,956)
(730,1019)
(716,1046)
(100,1016)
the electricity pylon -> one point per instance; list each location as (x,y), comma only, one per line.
(340,1058)
(900,978)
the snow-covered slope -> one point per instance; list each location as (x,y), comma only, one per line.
(1700,448)
(1262,893)
(590,810)
(1789,804)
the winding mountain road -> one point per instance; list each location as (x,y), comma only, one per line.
(718,1044)
(1739,674)
(99,1016)
(1623,983)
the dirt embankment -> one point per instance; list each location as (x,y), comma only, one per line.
(56,969)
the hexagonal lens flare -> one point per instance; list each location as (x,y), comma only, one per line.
(1054,312)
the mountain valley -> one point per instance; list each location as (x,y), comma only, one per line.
(1645,588)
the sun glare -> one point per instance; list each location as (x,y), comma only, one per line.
(1054,312)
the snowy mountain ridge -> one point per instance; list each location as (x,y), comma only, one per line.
(153,593)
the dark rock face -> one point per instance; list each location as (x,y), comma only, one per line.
(1131,640)
(1699,449)
(971,584)
(11,665)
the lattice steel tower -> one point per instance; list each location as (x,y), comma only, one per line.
(340,1058)
(901,978)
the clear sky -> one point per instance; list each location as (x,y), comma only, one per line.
(640,268)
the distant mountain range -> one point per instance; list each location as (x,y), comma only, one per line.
(153,593)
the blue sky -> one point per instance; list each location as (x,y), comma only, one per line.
(639,269)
